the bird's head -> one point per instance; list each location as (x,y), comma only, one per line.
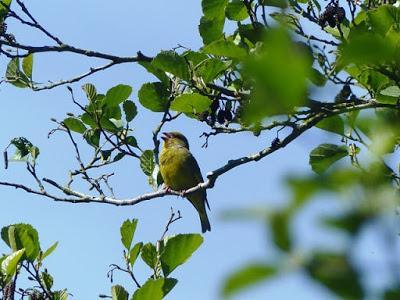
(175,139)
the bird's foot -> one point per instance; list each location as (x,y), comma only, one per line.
(168,189)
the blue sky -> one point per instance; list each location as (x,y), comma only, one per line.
(88,234)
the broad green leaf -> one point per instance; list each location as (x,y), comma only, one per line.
(392,294)
(236,10)
(90,91)
(128,229)
(154,96)
(117,94)
(49,251)
(118,292)
(280,229)
(173,63)
(366,48)
(60,295)
(34,151)
(211,29)
(26,237)
(322,157)
(27,65)
(154,289)
(74,124)
(149,255)
(134,253)
(384,18)
(131,141)
(15,76)
(392,91)
(225,48)
(280,75)
(147,162)
(3,9)
(191,103)
(211,69)
(336,273)
(333,124)
(160,74)
(246,277)
(47,280)
(9,264)
(178,250)
(350,222)
(92,137)
(130,110)
(213,8)
(276,3)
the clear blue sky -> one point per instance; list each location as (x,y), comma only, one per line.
(88,233)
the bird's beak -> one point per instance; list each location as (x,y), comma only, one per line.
(166,136)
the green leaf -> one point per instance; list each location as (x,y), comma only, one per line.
(118,292)
(225,48)
(128,229)
(393,294)
(22,146)
(279,73)
(9,264)
(350,222)
(90,91)
(276,3)
(92,137)
(154,289)
(323,156)
(236,10)
(130,110)
(131,141)
(134,253)
(154,96)
(74,124)
(27,65)
(147,162)
(172,62)
(47,280)
(156,72)
(335,272)
(15,76)
(191,103)
(213,8)
(211,69)
(49,251)
(392,91)
(211,29)
(149,255)
(178,250)
(280,229)
(61,295)
(3,9)
(333,124)
(117,94)
(25,236)
(246,277)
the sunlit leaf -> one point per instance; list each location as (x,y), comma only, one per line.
(178,250)
(322,157)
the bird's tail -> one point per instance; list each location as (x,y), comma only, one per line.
(205,223)
(199,200)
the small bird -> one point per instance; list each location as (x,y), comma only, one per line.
(180,172)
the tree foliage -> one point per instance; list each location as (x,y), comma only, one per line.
(259,70)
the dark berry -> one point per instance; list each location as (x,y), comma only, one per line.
(214,106)
(221,117)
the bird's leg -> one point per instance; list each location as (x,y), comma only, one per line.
(169,190)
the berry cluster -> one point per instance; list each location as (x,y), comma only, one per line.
(333,15)
(222,115)
(3,33)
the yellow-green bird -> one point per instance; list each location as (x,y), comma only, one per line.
(180,172)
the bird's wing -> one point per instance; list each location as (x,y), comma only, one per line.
(193,165)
